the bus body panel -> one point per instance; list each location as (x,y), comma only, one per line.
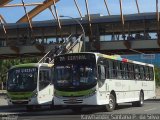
(46,95)
(125,89)
(38,96)
(95,99)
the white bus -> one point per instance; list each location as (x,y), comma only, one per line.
(30,84)
(96,79)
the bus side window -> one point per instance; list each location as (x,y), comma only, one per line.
(119,75)
(107,69)
(142,73)
(114,70)
(151,73)
(101,75)
(111,68)
(101,72)
(147,72)
(132,73)
(125,71)
(137,72)
(129,71)
(122,70)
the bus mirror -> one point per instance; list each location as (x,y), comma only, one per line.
(88,69)
(96,78)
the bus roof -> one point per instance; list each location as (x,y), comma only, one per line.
(119,58)
(32,65)
(113,57)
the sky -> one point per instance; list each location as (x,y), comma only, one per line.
(68,8)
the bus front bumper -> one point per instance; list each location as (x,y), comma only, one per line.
(91,100)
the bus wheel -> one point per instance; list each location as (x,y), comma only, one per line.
(140,102)
(52,105)
(112,103)
(29,108)
(116,106)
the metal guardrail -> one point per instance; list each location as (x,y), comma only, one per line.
(2,92)
(42,60)
(63,48)
(75,42)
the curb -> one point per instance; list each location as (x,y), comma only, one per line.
(3,92)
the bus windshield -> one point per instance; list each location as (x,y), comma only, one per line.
(22,79)
(75,76)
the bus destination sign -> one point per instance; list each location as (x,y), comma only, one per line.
(25,70)
(75,57)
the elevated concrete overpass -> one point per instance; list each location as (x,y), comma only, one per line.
(136,47)
(109,35)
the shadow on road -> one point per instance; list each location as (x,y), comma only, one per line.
(45,111)
(66,111)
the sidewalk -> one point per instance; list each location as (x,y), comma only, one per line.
(3,92)
(3,101)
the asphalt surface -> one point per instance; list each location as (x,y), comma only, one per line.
(150,111)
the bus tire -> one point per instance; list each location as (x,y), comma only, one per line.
(52,105)
(116,106)
(29,108)
(112,103)
(140,102)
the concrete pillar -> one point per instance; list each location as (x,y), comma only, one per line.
(95,39)
(2,86)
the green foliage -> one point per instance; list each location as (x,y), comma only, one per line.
(157,76)
(5,65)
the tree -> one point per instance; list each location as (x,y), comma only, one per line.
(157,75)
(5,65)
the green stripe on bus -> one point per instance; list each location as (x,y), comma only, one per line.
(19,95)
(26,65)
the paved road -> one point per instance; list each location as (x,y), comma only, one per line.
(151,108)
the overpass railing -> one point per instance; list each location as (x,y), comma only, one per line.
(70,45)
(48,54)
(67,46)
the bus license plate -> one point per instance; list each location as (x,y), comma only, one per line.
(72,100)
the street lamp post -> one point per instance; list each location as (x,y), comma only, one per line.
(81,28)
